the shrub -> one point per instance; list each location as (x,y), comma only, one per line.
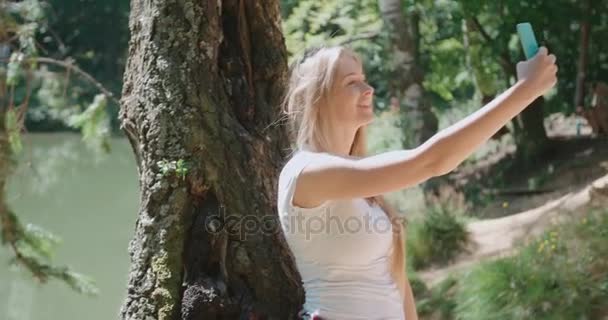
(438,302)
(561,275)
(437,238)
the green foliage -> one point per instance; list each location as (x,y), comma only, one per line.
(55,100)
(385,133)
(561,275)
(57,28)
(457,73)
(103,57)
(168,168)
(44,270)
(51,92)
(14,71)
(29,10)
(562,38)
(181,169)
(30,14)
(418,286)
(443,55)
(287,7)
(331,22)
(40,240)
(34,247)
(354,23)
(94,124)
(438,302)
(24,28)
(437,238)
(446,60)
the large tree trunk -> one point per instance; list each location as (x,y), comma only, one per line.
(530,135)
(203,84)
(407,76)
(418,121)
(529,128)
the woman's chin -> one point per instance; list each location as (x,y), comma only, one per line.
(366,117)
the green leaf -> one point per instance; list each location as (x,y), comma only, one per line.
(80,282)
(94,124)
(44,270)
(40,240)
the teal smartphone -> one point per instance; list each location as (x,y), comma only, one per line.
(527,38)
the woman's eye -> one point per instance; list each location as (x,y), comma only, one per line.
(351,82)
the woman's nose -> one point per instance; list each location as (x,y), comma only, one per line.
(367,89)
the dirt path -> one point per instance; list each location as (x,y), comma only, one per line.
(495,238)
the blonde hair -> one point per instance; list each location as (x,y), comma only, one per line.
(310,83)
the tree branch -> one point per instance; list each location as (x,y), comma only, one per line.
(481,30)
(505,59)
(71,66)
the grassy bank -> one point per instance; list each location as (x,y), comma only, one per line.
(561,275)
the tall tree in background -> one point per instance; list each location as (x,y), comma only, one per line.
(529,131)
(579,93)
(202,88)
(407,75)
(417,120)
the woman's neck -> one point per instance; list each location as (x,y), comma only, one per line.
(340,140)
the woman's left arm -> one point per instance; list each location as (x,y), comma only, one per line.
(409,304)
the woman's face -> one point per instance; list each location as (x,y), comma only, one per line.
(351,98)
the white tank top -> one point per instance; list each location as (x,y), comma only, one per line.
(341,249)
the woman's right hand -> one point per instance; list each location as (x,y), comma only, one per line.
(538,73)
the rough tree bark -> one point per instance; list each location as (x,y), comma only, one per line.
(203,84)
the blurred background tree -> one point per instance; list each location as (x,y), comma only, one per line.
(44,49)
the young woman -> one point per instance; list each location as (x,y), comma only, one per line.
(346,241)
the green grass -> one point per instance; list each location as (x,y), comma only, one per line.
(437,238)
(438,302)
(562,275)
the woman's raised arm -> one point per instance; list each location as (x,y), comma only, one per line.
(390,171)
